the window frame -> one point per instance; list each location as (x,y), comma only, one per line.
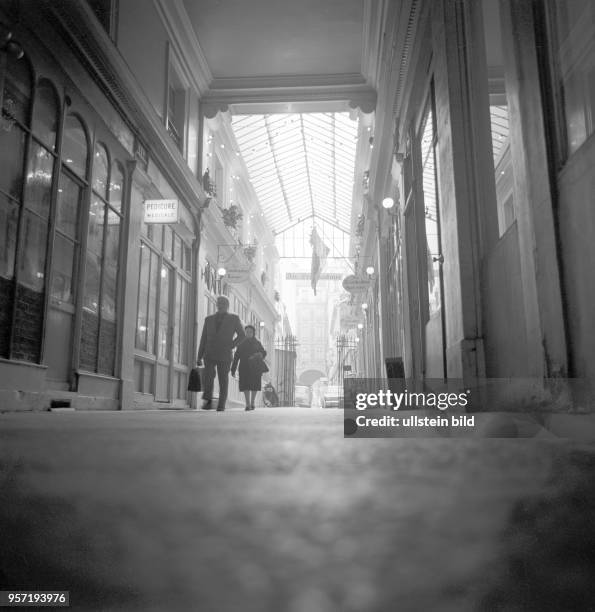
(176,119)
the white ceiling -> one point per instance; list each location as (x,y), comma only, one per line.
(266,59)
(267,38)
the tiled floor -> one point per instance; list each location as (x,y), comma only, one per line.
(275,510)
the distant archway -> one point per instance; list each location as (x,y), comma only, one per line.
(308,377)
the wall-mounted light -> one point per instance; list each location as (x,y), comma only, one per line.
(370,270)
(261,324)
(388,203)
(360,326)
(221,271)
(364,306)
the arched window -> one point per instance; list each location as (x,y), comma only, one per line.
(18,86)
(68,208)
(100,171)
(116,188)
(75,148)
(45,114)
(99,330)
(14,129)
(38,188)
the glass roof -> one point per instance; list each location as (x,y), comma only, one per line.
(301,166)
(499,123)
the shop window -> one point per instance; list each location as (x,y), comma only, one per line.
(498,107)
(25,194)
(99,321)
(66,239)
(181,316)
(147,291)
(574,53)
(45,117)
(163,346)
(17,94)
(74,146)
(168,241)
(176,109)
(431,211)
(163,315)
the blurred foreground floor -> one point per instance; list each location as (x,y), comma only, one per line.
(273,510)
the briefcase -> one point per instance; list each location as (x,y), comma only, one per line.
(194,380)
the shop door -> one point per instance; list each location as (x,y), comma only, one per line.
(163,337)
(63,280)
(164,333)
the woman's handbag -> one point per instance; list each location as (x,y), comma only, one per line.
(259,365)
(194,380)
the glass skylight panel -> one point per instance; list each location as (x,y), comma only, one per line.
(301,165)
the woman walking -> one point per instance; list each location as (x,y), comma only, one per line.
(250,354)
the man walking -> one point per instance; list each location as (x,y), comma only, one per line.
(221,333)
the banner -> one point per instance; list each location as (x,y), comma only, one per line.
(319,254)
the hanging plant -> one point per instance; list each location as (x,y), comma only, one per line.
(250,253)
(232,215)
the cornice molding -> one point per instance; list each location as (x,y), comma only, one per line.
(288,80)
(80,30)
(406,35)
(357,96)
(373,23)
(182,36)
(401,24)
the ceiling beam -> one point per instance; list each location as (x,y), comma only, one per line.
(273,155)
(306,160)
(334,164)
(307,218)
(319,98)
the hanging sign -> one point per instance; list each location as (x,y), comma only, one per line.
(349,320)
(238,275)
(162,211)
(355,285)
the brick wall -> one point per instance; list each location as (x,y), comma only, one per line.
(28,324)
(6,294)
(107,348)
(89,344)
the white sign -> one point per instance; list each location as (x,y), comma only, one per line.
(161,211)
(236,275)
(354,285)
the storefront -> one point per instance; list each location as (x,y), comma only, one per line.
(63,204)
(164,323)
(97,307)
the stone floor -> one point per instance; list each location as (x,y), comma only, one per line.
(274,510)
